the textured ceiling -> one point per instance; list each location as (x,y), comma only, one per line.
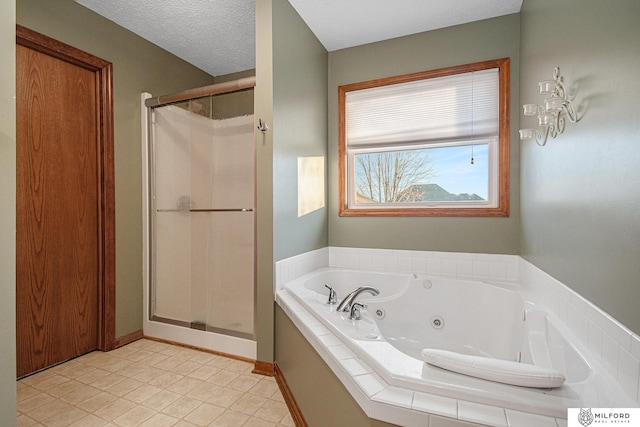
(218,36)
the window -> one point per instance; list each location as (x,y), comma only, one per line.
(434,143)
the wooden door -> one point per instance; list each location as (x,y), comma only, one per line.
(64,198)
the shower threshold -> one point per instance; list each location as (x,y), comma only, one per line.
(202,326)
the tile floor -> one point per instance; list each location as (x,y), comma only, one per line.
(149,383)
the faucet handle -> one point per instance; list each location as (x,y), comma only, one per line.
(355,314)
(333,297)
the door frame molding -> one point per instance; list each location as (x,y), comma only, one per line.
(103,71)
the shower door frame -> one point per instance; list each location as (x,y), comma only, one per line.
(210,338)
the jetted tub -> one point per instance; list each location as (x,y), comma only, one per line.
(464,317)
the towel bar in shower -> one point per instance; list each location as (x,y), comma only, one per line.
(206,210)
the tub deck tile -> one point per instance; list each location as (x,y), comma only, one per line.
(355,367)
(524,419)
(395,396)
(433,404)
(371,384)
(341,352)
(479,413)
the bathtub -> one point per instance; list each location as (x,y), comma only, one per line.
(474,318)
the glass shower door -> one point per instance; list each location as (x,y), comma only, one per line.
(203,235)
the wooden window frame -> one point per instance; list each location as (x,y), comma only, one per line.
(502,207)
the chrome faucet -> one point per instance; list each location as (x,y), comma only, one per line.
(347,302)
(354,313)
(333,297)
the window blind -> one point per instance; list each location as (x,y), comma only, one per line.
(459,107)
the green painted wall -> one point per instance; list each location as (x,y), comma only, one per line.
(7,213)
(478,41)
(234,104)
(580,218)
(138,66)
(264,183)
(299,128)
(291,97)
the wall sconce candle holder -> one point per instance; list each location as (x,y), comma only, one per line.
(551,115)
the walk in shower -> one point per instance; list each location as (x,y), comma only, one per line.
(200,200)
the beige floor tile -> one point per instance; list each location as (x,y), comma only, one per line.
(116,365)
(166,379)
(184,385)
(272,411)
(204,414)
(50,382)
(240,366)
(264,388)
(150,384)
(287,421)
(204,391)
(186,367)
(160,420)
(141,343)
(142,393)
(50,409)
(203,357)
(93,376)
(25,392)
(244,383)
(155,346)
(65,418)
(124,387)
(115,409)
(154,359)
(161,400)
(225,397)
(229,419)
(89,421)
(97,401)
(34,402)
(74,371)
(257,422)
(108,381)
(182,407)
(149,374)
(223,377)
(138,355)
(134,417)
(132,370)
(277,396)
(123,352)
(81,394)
(169,363)
(38,377)
(188,353)
(65,388)
(103,361)
(203,372)
(248,404)
(25,421)
(170,351)
(219,362)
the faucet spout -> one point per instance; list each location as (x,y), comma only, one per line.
(347,302)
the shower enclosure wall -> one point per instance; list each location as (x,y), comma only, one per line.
(200,286)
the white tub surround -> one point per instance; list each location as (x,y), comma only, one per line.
(403,396)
